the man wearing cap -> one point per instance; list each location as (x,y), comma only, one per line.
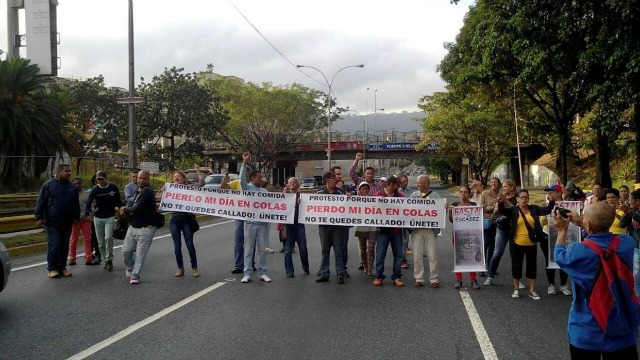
(572,193)
(424,240)
(389,236)
(369,174)
(331,236)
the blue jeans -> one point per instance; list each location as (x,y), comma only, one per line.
(636,270)
(383,240)
(138,241)
(255,234)
(295,234)
(57,246)
(104,232)
(345,245)
(489,244)
(179,225)
(502,239)
(405,243)
(238,245)
(331,236)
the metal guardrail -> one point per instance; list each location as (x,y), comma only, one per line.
(18,197)
(17,223)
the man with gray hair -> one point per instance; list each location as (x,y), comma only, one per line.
(424,240)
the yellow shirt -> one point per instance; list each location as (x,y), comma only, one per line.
(235,185)
(522,235)
(615,227)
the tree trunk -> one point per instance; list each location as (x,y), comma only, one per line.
(563,151)
(636,122)
(603,159)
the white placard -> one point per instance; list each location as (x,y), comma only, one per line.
(468,240)
(241,205)
(574,233)
(379,211)
(38,29)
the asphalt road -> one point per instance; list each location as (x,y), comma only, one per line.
(97,314)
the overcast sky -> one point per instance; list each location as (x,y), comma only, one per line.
(400,42)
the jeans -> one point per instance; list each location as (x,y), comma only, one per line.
(345,246)
(255,233)
(82,226)
(137,240)
(383,240)
(405,243)
(238,245)
(295,234)
(489,244)
(636,270)
(57,245)
(331,236)
(179,225)
(104,232)
(502,239)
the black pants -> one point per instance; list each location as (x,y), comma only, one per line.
(551,273)
(630,353)
(518,254)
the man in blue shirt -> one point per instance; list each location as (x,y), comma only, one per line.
(586,338)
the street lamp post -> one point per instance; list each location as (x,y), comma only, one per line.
(329,84)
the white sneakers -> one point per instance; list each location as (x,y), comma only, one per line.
(551,290)
(269,250)
(265,278)
(245,279)
(516,294)
(521,286)
(565,289)
(488,282)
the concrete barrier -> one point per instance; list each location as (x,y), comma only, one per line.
(17,223)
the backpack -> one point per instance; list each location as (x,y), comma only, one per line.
(612,300)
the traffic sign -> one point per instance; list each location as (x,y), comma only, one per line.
(130,100)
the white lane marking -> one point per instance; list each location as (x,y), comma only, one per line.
(481,334)
(131,329)
(115,247)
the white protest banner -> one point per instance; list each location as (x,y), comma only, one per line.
(574,233)
(468,235)
(233,204)
(379,211)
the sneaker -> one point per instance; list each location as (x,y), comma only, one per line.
(521,286)
(236,271)
(108,265)
(322,279)
(377,282)
(435,285)
(457,285)
(127,272)
(516,294)
(53,274)
(265,278)
(269,250)
(92,262)
(565,289)
(245,279)
(474,285)
(404,264)
(340,279)
(488,282)
(66,273)
(134,281)
(98,260)
(72,262)
(290,275)
(534,295)
(398,282)
(551,290)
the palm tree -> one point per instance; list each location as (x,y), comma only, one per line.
(32,121)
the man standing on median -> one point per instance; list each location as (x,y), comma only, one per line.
(58,208)
(255,232)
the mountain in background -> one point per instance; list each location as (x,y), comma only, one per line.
(401,122)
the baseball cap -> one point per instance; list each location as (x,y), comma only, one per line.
(556,188)
(571,185)
(384,178)
(364,183)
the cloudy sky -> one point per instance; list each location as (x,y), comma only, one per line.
(398,41)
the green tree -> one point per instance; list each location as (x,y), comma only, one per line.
(473,127)
(32,121)
(268,120)
(550,51)
(177,108)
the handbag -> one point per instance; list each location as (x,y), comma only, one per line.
(535,235)
(158,220)
(193,223)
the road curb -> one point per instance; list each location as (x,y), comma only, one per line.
(27,249)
